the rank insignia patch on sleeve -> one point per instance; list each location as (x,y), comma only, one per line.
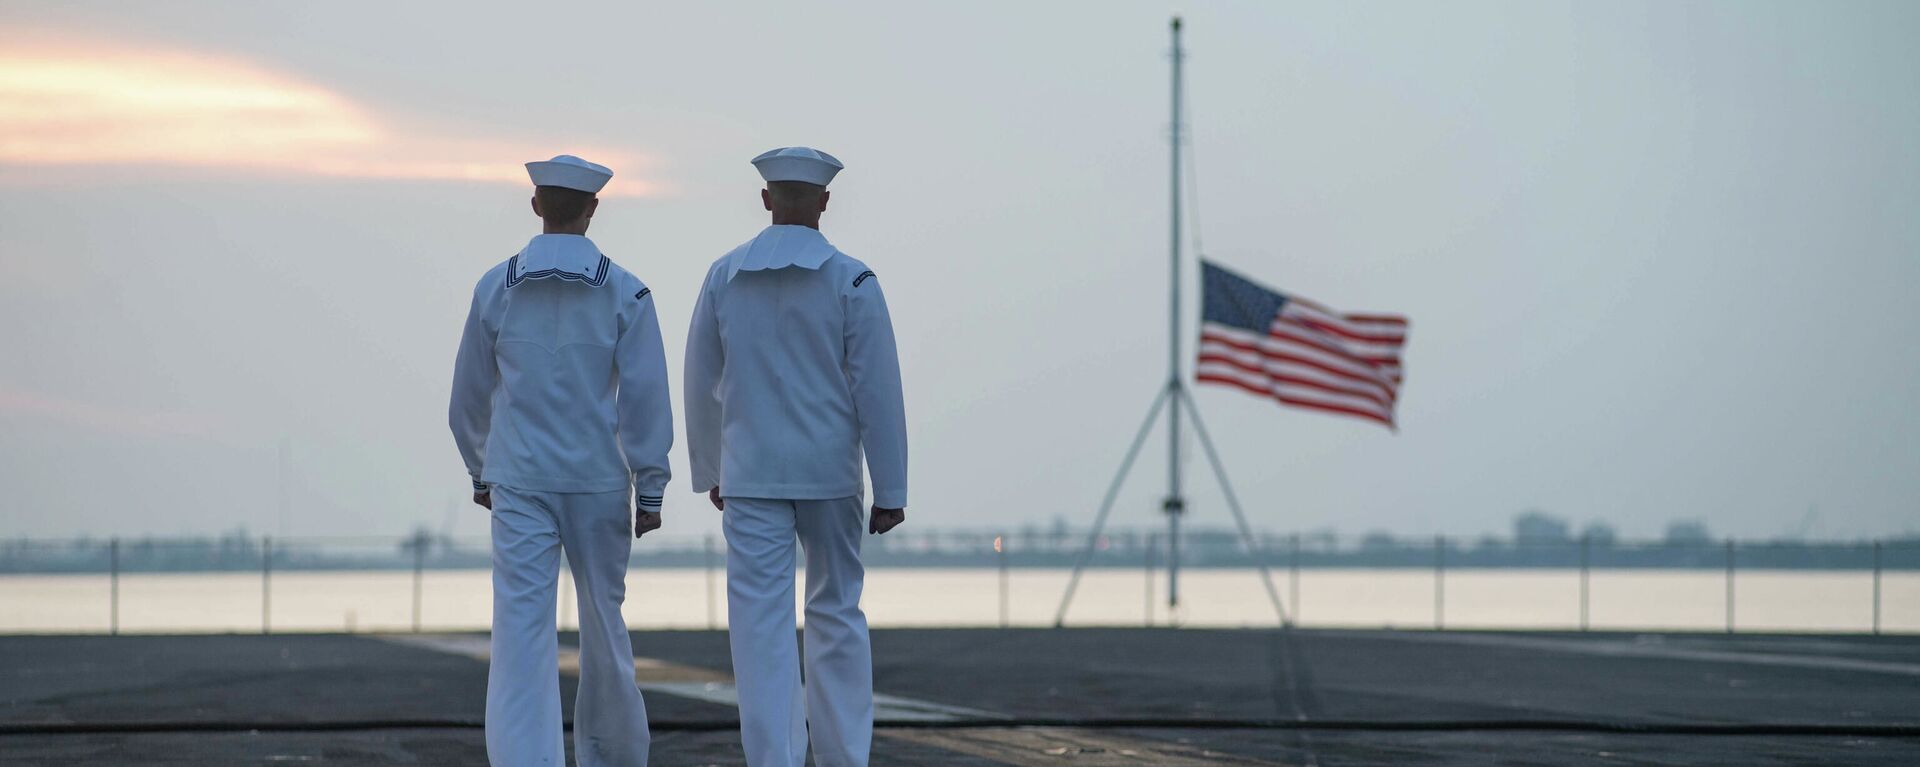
(642,294)
(862,278)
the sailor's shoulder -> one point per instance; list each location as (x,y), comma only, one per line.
(619,277)
(847,270)
(625,283)
(737,250)
(495,278)
(717,271)
(840,263)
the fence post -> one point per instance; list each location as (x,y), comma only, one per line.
(1000,552)
(713,612)
(566,580)
(1876,587)
(266,584)
(419,571)
(1439,583)
(1293,579)
(114,587)
(1586,556)
(1153,550)
(1729,585)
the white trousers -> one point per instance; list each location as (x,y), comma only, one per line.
(837,704)
(523,680)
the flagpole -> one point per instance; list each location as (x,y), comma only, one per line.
(1174,505)
(1178,402)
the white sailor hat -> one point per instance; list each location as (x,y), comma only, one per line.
(570,172)
(797,163)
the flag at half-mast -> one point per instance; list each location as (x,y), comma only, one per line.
(1296,351)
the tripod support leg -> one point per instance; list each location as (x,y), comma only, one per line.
(1233,502)
(1106,505)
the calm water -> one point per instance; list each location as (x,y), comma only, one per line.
(1777,600)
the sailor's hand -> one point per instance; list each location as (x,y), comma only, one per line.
(714,495)
(484,498)
(883,520)
(645,522)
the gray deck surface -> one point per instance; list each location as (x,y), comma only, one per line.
(1067,697)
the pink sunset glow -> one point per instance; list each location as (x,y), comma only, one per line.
(105,106)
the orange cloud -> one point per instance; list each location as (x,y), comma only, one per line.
(75,106)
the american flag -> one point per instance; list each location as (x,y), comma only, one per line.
(1296,351)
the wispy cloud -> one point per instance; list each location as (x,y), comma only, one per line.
(74,104)
(111,418)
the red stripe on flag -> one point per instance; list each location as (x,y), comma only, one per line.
(1294,401)
(1308,310)
(1383,319)
(1328,406)
(1373,374)
(1311,357)
(1385,402)
(1340,370)
(1367,389)
(1292,392)
(1231,381)
(1285,368)
(1294,330)
(1284,389)
(1394,339)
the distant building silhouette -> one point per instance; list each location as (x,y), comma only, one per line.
(1688,533)
(1378,541)
(1535,528)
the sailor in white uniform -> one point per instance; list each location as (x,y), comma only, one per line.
(560,408)
(791,374)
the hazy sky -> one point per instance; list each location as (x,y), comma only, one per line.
(1660,258)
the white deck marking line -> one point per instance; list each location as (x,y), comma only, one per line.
(1049,746)
(886,708)
(1628,649)
(472,646)
(667,677)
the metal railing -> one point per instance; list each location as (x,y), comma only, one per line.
(1001,559)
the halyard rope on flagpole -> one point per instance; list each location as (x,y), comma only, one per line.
(1254,548)
(1174,394)
(1193,176)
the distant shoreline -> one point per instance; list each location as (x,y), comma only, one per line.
(977,552)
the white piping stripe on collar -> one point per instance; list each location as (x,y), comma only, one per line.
(565,256)
(598,278)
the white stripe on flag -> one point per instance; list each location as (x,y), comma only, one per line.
(1260,362)
(1383,375)
(1303,396)
(1381,328)
(1370,350)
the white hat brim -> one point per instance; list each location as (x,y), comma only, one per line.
(568,175)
